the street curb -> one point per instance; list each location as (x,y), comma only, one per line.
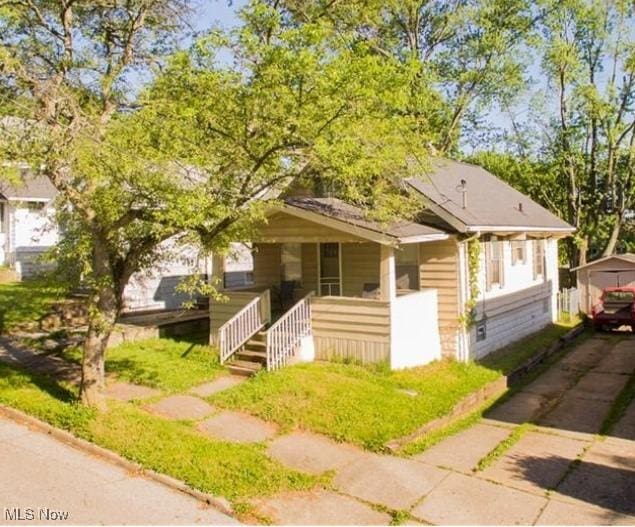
(494,389)
(222,504)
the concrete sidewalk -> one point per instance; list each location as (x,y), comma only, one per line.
(55,483)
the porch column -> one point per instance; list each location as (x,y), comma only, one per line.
(387,280)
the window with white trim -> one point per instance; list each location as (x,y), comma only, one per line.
(519,252)
(539,258)
(494,264)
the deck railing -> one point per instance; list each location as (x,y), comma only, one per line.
(243,325)
(285,335)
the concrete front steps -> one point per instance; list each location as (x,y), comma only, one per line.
(251,358)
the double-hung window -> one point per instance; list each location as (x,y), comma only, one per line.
(494,264)
(539,258)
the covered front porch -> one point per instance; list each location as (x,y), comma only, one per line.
(332,289)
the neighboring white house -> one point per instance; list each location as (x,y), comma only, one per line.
(27,224)
(28,229)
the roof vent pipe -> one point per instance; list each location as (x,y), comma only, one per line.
(462,188)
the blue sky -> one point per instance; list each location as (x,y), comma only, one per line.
(220,12)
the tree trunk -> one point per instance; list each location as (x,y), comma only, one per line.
(611,243)
(104,309)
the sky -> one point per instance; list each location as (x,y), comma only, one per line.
(217,12)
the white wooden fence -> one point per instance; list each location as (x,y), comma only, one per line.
(568,304)
(285,335)
(244,325)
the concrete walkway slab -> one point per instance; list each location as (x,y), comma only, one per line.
(521,408)
(237,428)
(464,500)
(217,385)
(599,386)
(464,450)
(577,415)
(312,453)
(125,391)
(536,463)
(92,491)
(562,513)
(319,508)
(605,477)
(393,482)
(183,407)
(9,430)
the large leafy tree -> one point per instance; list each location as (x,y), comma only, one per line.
(220,130)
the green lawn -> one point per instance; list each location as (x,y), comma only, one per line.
(510,357)
(168,364)
(363,405)
(24,303)
(235,471)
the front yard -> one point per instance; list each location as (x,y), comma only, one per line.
(365,405)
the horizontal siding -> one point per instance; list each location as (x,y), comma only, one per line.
(439,269)
(357,329)
(283,227)
(266,264)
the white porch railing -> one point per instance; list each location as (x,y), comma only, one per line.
(286,333)
(244,325)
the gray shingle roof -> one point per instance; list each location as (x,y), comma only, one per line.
(491,204)
(31,187)
(341,211)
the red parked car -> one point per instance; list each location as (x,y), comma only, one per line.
(615,309)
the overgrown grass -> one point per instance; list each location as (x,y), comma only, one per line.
(24,303)
(510,357)
(363,405)
(175,448)
(168,364)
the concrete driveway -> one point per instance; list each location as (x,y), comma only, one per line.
(559,471)
(45,481)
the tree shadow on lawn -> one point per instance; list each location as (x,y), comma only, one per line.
(133,371)
(17,377)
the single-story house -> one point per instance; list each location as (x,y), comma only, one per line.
(330,283)
(617,270)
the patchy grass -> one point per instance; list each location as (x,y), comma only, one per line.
(168,364)
(510,357)
(24,303)
(175,448)
(363,405)
(504,446)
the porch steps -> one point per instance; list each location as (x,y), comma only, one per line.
(251,358)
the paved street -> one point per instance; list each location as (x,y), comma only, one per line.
(39,473)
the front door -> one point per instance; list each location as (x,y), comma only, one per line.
(330,269)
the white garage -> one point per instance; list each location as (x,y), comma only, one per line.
(617,270)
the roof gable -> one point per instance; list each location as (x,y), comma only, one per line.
(490,203)
(33,188)
(626,257)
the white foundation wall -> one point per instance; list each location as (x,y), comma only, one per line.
(414,330)
(523,306)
